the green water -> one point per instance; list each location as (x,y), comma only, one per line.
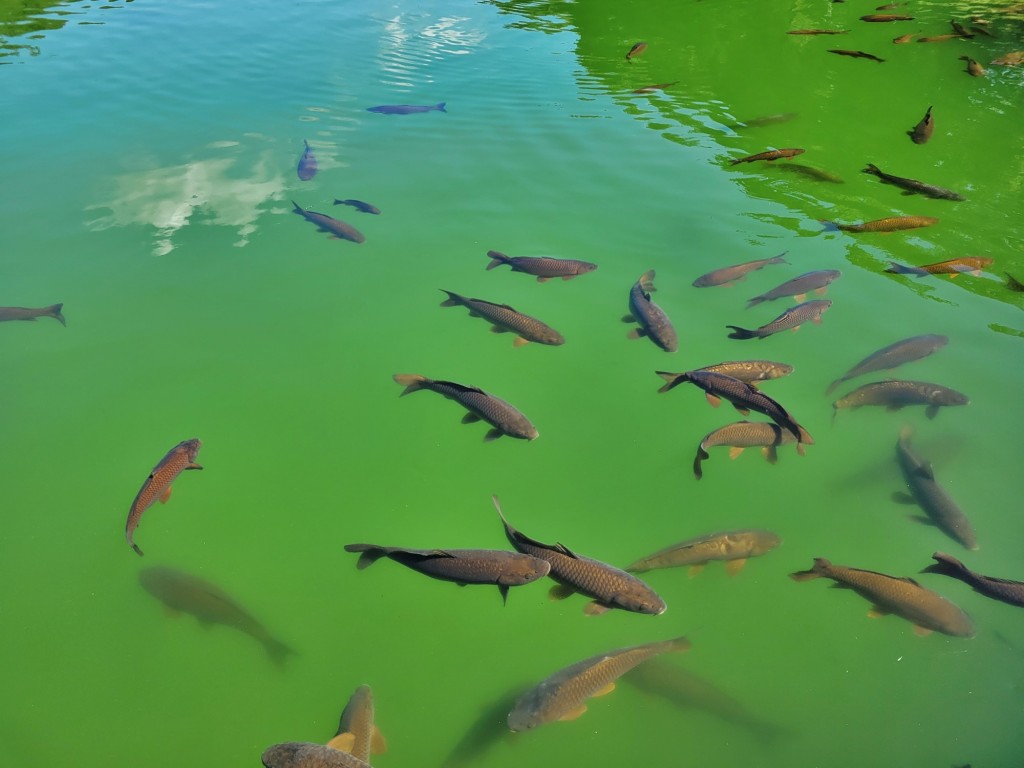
(149,166)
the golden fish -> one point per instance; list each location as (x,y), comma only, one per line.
(158,484)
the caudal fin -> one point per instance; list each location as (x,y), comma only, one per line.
(647,281)
(440,106)
(298,208)
(830,226)
(54,311)
(755,301)
(673,379)
(371,553)
(278,651)
(453,299)
(411,381)
(698,472)
(497,259)
(820,564)
(741,333)
(947,565)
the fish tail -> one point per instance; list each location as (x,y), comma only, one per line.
(673,379)
(872,169)
(411,381)
(278,651)
(901,269)
(647,281)
(947,565)
(132,544)
(698,472)
(830,226)
(833,385)
(497,259)
(441,106)
(306,143)
(54,311)
(820,564)
(779,259)
(755,301)
(371,553)
(298,208)
(678,645)
(452,300)
(741,333)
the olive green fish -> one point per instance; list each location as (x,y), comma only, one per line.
(749,371)
(748,434)
(921,132)
(791,319)
(357,732)
(912,186)
(503,418)
(895,394)
(543,268)
(729,275)
(923,608)
(890,224)
(817,281)
(504,318)
(734,547)
(336,227)
(563,695)
(653,321)
(894,355)
(158,484)
(1006,590)
(303,754)
(770,155)
(31,313)
(610,587)
(951,267)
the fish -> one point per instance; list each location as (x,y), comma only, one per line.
(336,227)
(895,394)
(890,224)
(883,17)
(359,205)
(462,566)
(974,69)
(904,38)
(31,313)
(563,695)
(817,281)
(304,754)
(1011,59)
(1005,590)
(912,185)
(656,87)
(729,275)
(817,174)
(960,29)
(750,371)
(792,318)
(1013,283)
(407,109)
(653,321)
(952,267)
(761,122)
(733,547)
(185,593)
(856,54)
(307,164)
(939,38)
(636,50)
(817,32)
(747,434)
(504,319)
(158,484)
(925,609)
(770,155)
(607,586)
(503,418)
(921,132)
(926,492)
(894,355)
(489,727)
(542,267)
(357,733)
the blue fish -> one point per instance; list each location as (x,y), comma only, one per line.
(406,109)
(307,164)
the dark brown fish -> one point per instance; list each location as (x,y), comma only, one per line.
(182,592)
(335,227)
(307,164)
(563,695)
(817,281)
(750,371)
(1005,590)
(856,54)
(792,318)
(881,17)
(636,50)
(895,394)
(503,418)
(504,318)
(733,547)
(729,275)
(357,732)
(974,69)
(923,608)
(543,267)
(894,355)
(921,132)
(303,754)
(747,434)
(951,267)
(912,185)
(158,484)
(656,87)
(926,492)
(891,224)
(359,205)
(653,321)
(817,32)
(610,587)
(31,313)
(462,566)
(904,38)
(773,154)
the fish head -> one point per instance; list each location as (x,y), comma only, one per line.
(523,569)
(765,541)
(552,337)
(949,397)
(647,602)
(192,447)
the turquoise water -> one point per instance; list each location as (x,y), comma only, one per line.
(150,169)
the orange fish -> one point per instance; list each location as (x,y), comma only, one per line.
(158,484)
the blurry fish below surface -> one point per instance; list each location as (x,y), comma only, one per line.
(302,754)
(896,354)
(407,109)
(335,227)
(1004,590)
(157,486)
(952,267)
(357,732)
(748,434)
(765,120)
(653,322)
(733,547)
(307,164)
(817,32)
(655,87)
(29,313)
(817,281)
(912,185)
(791,319)
(883,17)
(817,174)
(542,267)
(974,69)
(895,394)
(186,593)
(563,695)
(856,54)
(1012,59)
(359,205)
(729,275)
(921,132)
(1013,283)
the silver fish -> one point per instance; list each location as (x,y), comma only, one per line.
(792,318)
(504,318)
(799,287)
(407,109)
(894,355)
(653,321)
(729,275)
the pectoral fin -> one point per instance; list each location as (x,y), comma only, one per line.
(606,690)
(713,400)
(921,631)
(520,341)
(165,495)
(378,743)
(595,608)
(696,569)
(503,590)
(734,451)
(560,592)
(931,411)
(498,329)
(771,454)
(902,497)
(573,714)
(636,333)
(877,612)
(193,465)
(493,434)
(470,418)
(733,567)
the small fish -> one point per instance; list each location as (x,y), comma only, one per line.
(904,38)
(882,17)
(158,484)
(817,32)
(1011,59)
(792,318)
(357,732)
(938,38)
(770,155)
(608,586)
(750,371)
(653,321)
(926,492)
(504,319)
(974,69)
(747,434)
(912,185)
(921,132)
(761,122)
(335,227)
(952,267)
(359,205)
(542,267)
(307,164)
(654,88)
(729,275)
(303,754)
(407,109)
(462,566)
(856,54)
(894,355)
(817,174)
(185,593)
(895,394)
(1013,283)
(817,281)
(563,695)
(890,224)
(636,50)
(503,418)
(734,547)
(30,313)
(1007,591)
(923,608)
(960,29)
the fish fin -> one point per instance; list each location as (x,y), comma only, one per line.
(713,400)
(877,612)
(493,434)
(441,106)
(54,311)
(741,409)
(921,631)
(696,569)
(411,381)
(816,320)
(503,591)
(595,608)
(165,495)
(910,580)
(136,548)
(636,333)
(606,690)
(520,342)
(452,300)
(894,406)
(543,279)
(560,592)
(741,333)
(369,556)
(735,451)
(921,519)
(564,278)
(732,567)
(821,291)
(795,328)
(562,549)
(171,613)
(470,418)
(804,575)
(497,259)
(902,497)
(343,742)
(628,319)
(573,714)
(800,449)
(800,297)
(193,465)
(378,743)
(698,472)
(906,193)
(499,329)
(931,411)
(772,455)
(926,471)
